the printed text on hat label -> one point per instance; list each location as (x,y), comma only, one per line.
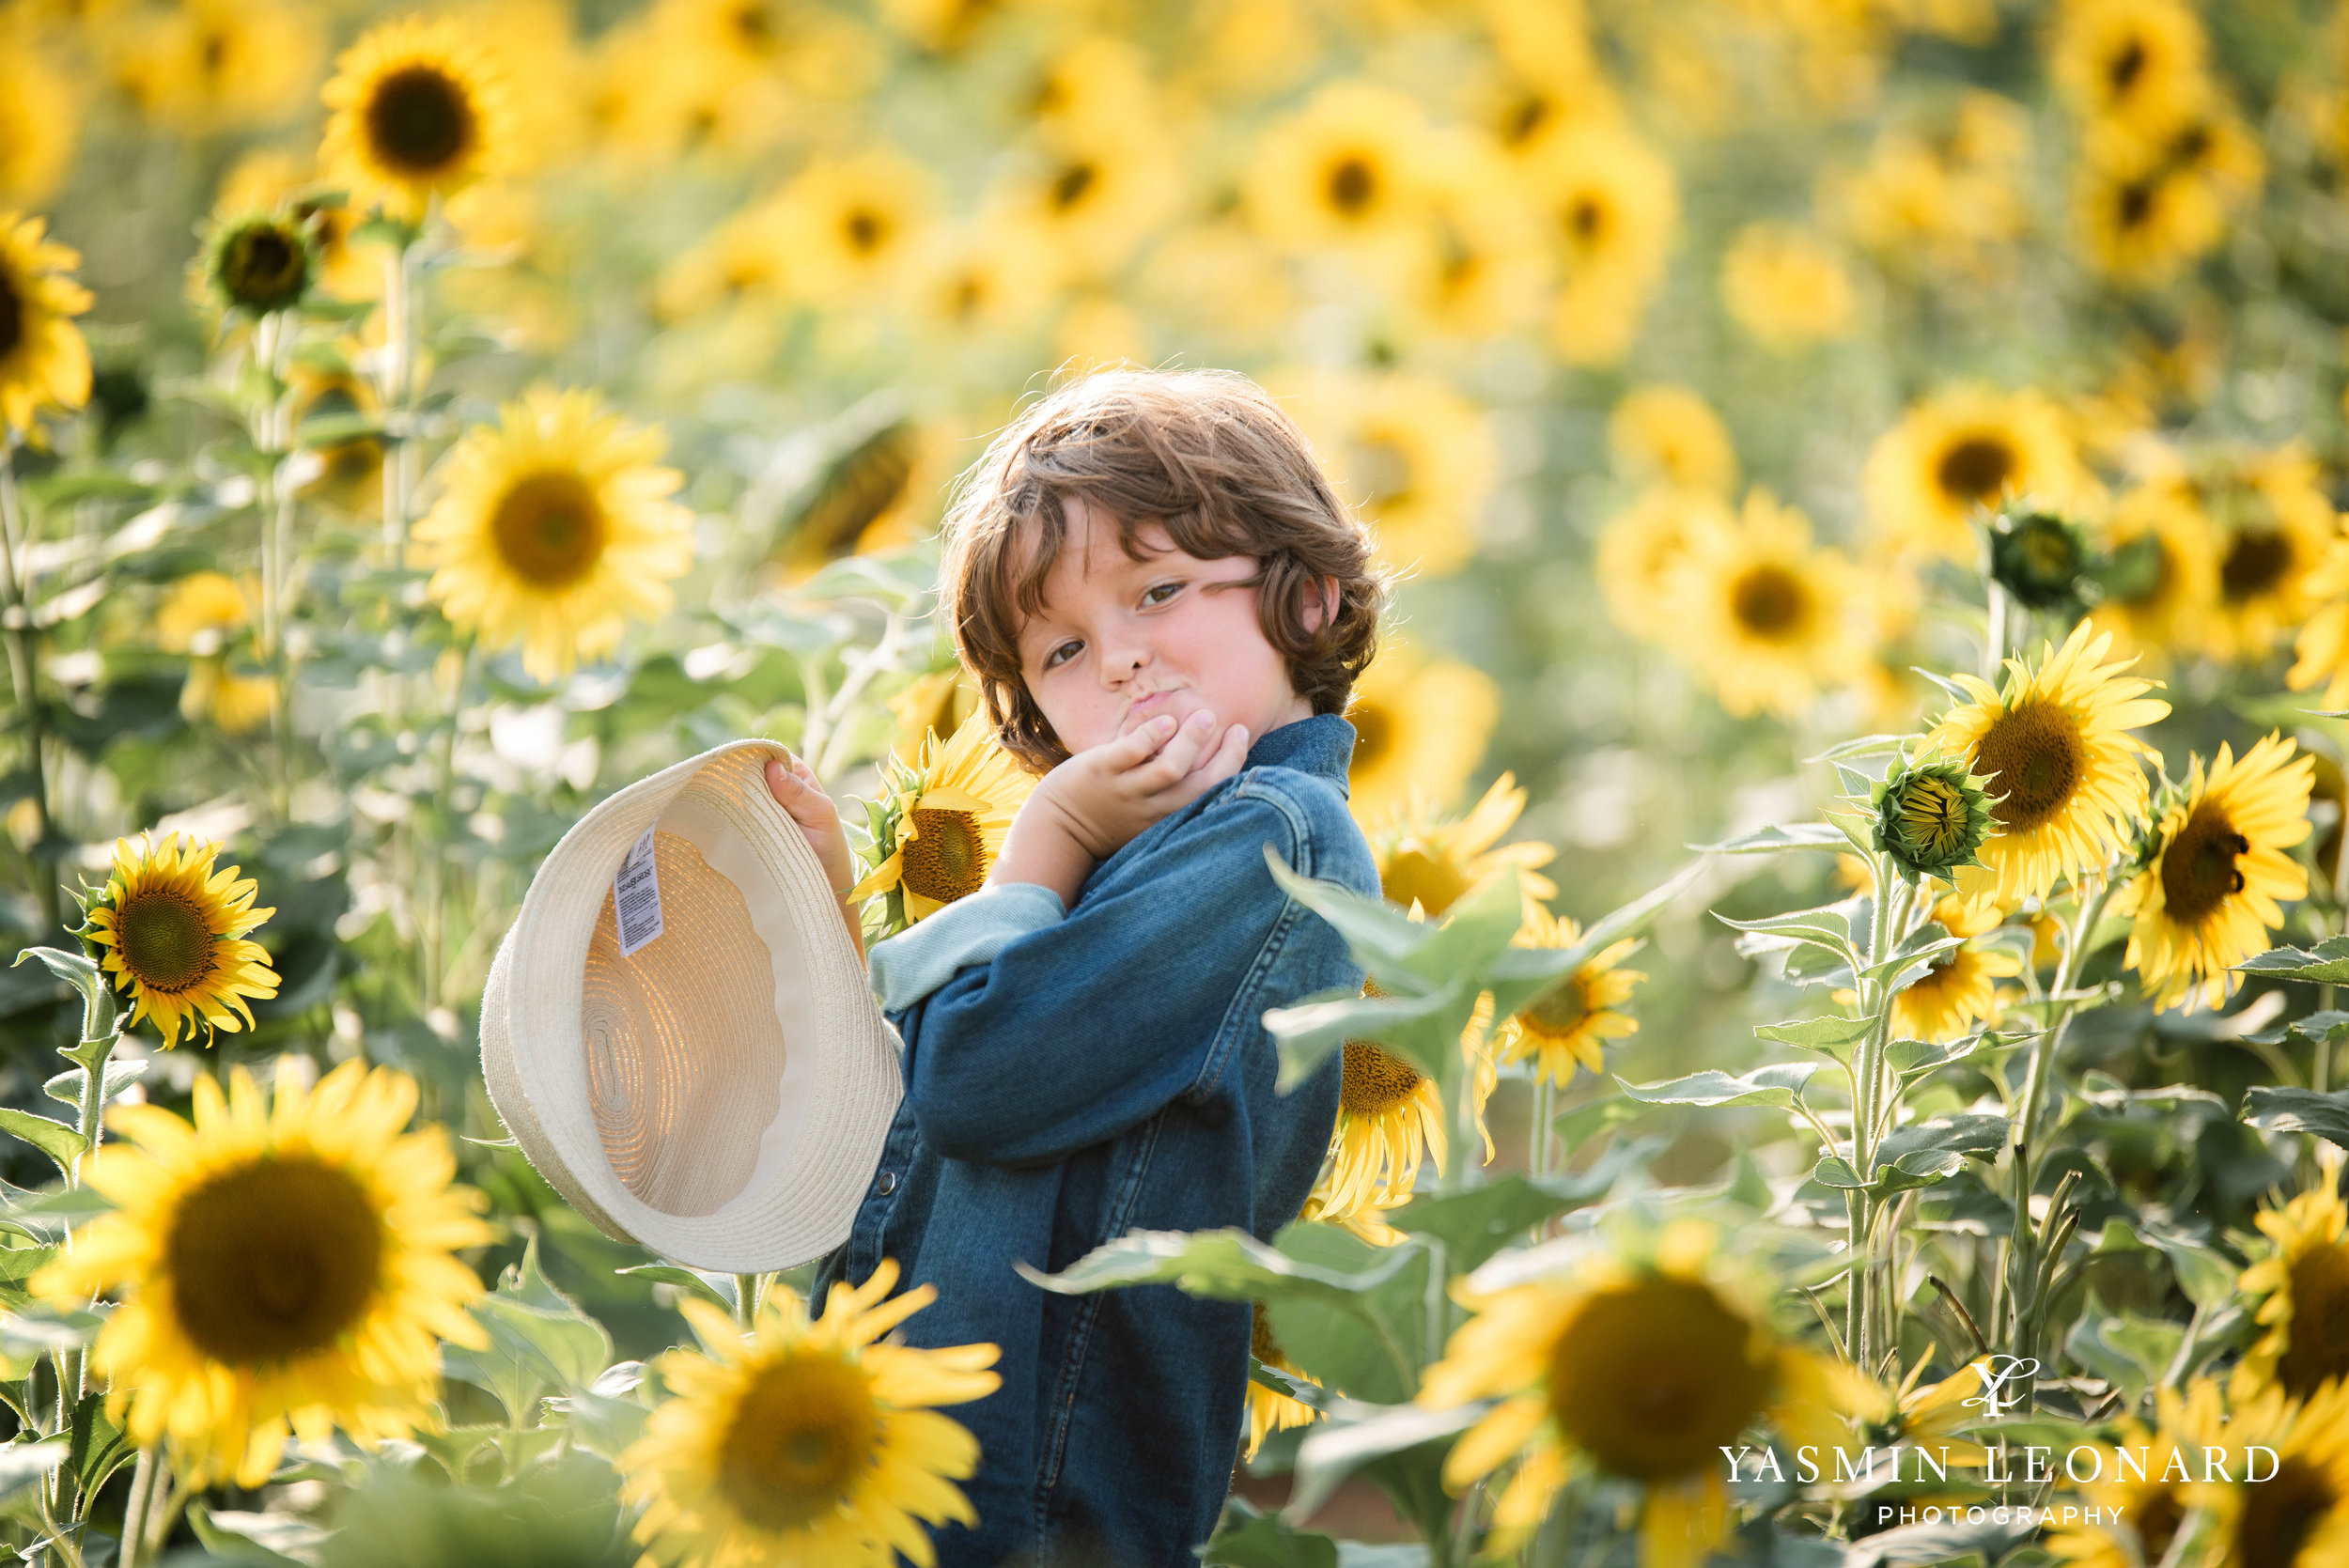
(636,897)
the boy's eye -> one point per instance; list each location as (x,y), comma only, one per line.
(1160,593)
(1054,657)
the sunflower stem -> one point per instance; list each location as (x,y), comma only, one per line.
(145,1477)
(746,1298)
(399,361)
(16,614)
(1537,1157)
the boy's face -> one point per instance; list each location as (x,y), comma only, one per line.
(1120,642)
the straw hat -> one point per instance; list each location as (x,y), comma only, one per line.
(716,1088)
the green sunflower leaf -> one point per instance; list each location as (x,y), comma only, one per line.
(1477,1223)
(1768,840)
(1244,1538)
(1825,1033)
(2272,1108)
(2326,964)
(1402,1448)
(61,1144)
(1519,975)
(1780,1085)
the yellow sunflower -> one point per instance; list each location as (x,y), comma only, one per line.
(420,111)
(236,703)
(2302,1288)
(1611,203)
(351,472)
(553,527)
(1962,987)
(1643,548)
(1965,448)
(1787,288)
(1570,1023)
(2298,1516)
(43,361)
(1269,1411)
(1391,1125)
(1419,724)
(945,822)
(2323,645)
(1670,436)
(2136,1520)
(1092,193)
(853,226)
(2136,61)
(1943,199)
(2142,227)
(870,498)
(203,609)
(1548,77)
(201,66)
(1481,268)
(2209,898)
(1910,1415)
(2165,577)
(2275,527)
(1759,613)
(2053,740)
(804,1444)
(282,1267)
(267,180)
(1413,455)
(1428,858)
(745,261)
(171,931)
(40,115)
(930,711)
(1641,1367)
(1348,170)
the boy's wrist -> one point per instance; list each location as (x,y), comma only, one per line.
(1044,846)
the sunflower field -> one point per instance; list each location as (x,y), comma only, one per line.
(1857,761)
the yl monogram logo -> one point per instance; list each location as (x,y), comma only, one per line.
(1996,1373)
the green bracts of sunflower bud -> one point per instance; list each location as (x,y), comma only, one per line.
(1931,816)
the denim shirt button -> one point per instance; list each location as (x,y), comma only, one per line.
(888,1183)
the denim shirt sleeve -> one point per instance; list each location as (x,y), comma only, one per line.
(1080,1030)
(912,964)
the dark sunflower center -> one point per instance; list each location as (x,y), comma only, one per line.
(550,529)
(2279,1516)
(1436,882)
(1769,602)
(2133,204)
(948,861)
(421,121)
(274,1260)
(755,29)
(2198,870)
(212,54)
(1586,222)
(11,315)
(1373,735)
(1073,184)
(1975,469)
(165,942)
(2036,759)
(264,267)
(2191,145)
(2126,64)
(865,229)
(2317,1349)
(1376,1082)
(1651,1378)
(1523,119)
(2159,1516)
(806,1432)
(1260,1344)
(2256,562)
(1560,1011)
(1353,185)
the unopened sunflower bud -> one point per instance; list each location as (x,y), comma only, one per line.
(2044,560)
(261,264)
(1931,816)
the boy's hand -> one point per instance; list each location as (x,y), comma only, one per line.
(1091,806)
(801,794)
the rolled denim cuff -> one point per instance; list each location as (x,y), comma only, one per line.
(912,964)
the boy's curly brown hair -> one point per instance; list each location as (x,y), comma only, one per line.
(1207,454)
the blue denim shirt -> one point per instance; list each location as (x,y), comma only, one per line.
(1071,1077)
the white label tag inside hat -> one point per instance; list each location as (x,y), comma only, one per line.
(636,897)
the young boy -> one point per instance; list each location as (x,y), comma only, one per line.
(1166,607)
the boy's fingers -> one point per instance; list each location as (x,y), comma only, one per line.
(1181,756)
(1133,749)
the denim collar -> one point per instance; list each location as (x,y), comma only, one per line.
(1322,745)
